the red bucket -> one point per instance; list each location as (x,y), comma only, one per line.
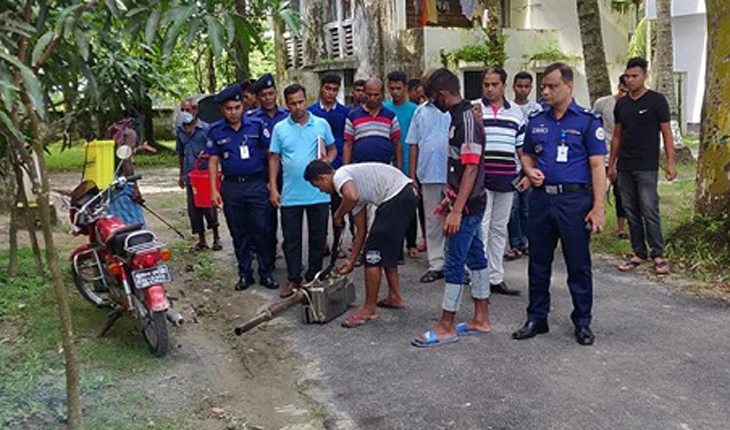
(200,182)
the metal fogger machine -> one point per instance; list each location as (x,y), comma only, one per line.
(326,297)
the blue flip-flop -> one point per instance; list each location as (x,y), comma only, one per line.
(431,339)
(462,329)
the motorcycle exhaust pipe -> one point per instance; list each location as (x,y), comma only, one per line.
(271,311)
(174,317)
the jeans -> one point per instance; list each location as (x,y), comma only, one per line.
(517,226)
(291,222)
(466,247)
(641,203)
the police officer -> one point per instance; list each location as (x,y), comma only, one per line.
(564,159)
(240,144)
(270,114)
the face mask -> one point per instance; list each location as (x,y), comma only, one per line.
(187,117)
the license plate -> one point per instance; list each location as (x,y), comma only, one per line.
(148,277)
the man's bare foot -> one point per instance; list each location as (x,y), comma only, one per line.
(442,332)
(359,318)
(482,326)
(392,303)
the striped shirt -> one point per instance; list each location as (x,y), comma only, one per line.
(466,146)
(505,132)
(372,136)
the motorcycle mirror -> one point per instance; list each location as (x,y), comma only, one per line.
(124,152)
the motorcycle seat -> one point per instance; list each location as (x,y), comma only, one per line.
(115,242)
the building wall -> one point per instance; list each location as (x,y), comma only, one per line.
(690,52)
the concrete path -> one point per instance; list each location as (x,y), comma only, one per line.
(661,361)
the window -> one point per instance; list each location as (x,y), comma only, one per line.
(472,84)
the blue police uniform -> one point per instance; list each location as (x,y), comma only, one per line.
(561,149)
(243,158)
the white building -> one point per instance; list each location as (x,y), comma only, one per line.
(369,38)
(689,31)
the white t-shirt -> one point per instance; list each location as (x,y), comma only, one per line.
(376,182)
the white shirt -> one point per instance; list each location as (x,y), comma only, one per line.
(376,182)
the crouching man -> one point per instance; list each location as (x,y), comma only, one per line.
(393,194)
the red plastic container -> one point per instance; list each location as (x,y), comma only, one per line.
(200,182)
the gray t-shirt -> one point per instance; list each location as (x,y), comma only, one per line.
(376,182)
(605,106)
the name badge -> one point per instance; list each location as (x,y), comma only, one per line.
(562,154)
(244,152)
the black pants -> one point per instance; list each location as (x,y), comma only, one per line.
(291,223)
(197,215)
(412,233)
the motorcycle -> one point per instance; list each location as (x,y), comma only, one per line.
(121,267)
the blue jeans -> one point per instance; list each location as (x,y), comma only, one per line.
(641,203)
(517,226)
(465,248)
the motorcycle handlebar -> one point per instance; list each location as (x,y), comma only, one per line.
(134,178)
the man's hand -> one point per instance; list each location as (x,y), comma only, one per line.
(671,172)
(338,221)
(136,195)
(536,177)
(416,185)
(452,223)
(181,181)
(216,199)
(524,184)
(611,174)
(597,218)
(274,196)
(346,267)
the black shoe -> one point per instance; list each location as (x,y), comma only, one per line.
(467,279)
(501,288)
(244,283)
(432,275)
(584,336)
(531,329)
(269,283)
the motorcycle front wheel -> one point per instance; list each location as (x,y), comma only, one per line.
(91,281)
(154,328)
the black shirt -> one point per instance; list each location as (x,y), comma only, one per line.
(466,146)
(640,127)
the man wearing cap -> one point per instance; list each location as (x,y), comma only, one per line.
(240,144)
(270,114)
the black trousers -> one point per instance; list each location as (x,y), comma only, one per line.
(291,222)
(197,215)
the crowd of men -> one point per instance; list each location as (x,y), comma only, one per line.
(487,180)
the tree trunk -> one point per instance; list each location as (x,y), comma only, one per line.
(713,168)
(29,218)
(594,55)
(147,131)
(13,242)
(210,72)
(663,63)
(243,68)
(280,46)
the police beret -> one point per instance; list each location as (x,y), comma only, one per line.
(264,82)
(232,92)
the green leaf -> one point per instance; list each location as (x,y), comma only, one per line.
(8,123)
(30,82)
(64,16)
(193,28)
(40,47)
(230,27)
(112,6)
(215,34)
(293,21)
(181,15)
(82,43)
(136,11)
(91,85)
(151,27)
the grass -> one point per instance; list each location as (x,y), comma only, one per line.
(32,393)
(72,158)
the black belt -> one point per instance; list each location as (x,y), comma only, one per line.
(242,179)
(563,188)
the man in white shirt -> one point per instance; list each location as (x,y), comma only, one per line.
(394,195)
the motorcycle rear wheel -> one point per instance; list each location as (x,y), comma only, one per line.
(154,328)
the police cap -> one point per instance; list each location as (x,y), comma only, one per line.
(264,82)
(232,92)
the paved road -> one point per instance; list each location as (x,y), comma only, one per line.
(661,361)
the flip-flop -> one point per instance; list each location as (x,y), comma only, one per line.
(356,321)
(661,267)
(430,339)
(382,303)
(630,265)
(462,329)
(217,246)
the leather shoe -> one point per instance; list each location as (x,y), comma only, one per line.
(244,283)
(432,276)
(269,283)
(501,288)
(531,329)
(584,336)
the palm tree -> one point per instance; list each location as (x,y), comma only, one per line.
(594,55)
(713,170)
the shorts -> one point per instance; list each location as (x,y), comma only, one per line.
(384,243)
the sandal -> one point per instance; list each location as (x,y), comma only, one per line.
(356,320)
(384,303)
(430,338)
(631,264)
(432,276)
(661,267)
(200,246)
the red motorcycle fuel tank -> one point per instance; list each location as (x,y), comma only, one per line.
(105,227)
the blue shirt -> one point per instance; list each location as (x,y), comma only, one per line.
(242,152)
(372,136)
(404,112)
(269,121)
(336,118)
(580,130)
(430,131)
(297,145)
(190,146)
